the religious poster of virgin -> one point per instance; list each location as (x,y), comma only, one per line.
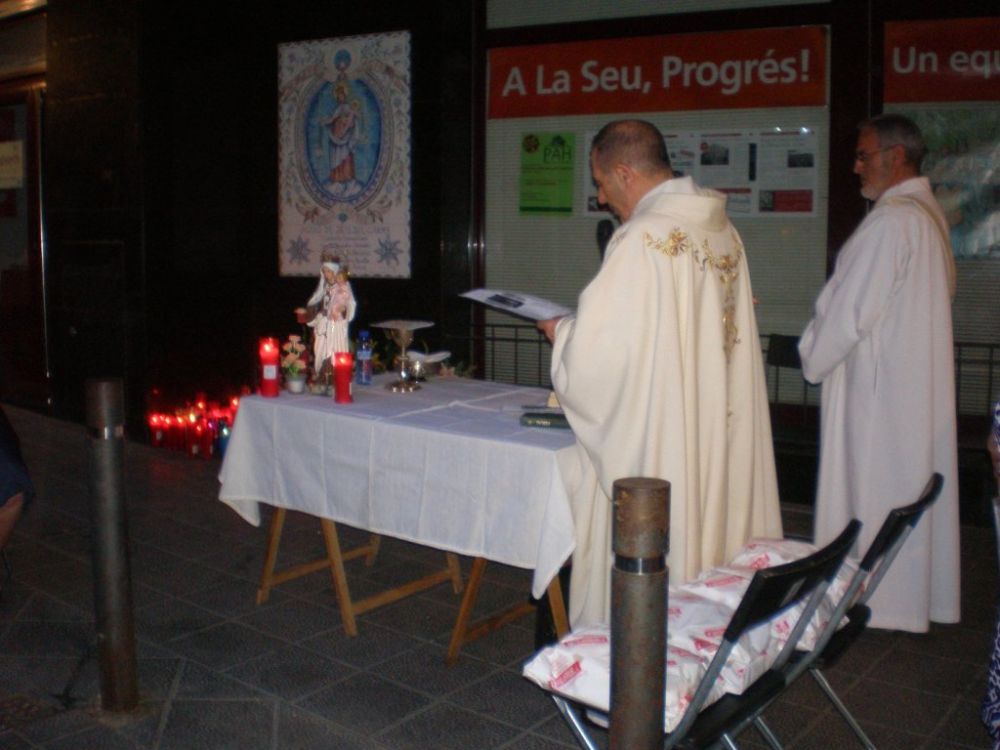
(344,154)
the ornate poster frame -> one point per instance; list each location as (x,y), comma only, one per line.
(344,175)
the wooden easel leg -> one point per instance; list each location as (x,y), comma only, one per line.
(456,572)
(558,606)
(335,559)
(339,576)
(465,633)
(374,542)
(465,611)
(271,555)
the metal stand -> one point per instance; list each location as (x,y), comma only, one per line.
(640,539)
(112,578)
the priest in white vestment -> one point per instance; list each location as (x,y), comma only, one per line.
(660,371)
(881,344)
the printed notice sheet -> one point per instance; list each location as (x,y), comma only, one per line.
(518,303)
(763,173)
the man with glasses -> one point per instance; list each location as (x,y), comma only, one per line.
(880,342)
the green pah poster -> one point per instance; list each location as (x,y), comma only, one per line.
(547,161)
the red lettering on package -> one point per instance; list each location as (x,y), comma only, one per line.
(565,676)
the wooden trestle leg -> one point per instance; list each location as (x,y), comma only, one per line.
(464,633)
(334,560)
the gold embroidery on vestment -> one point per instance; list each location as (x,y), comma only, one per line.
(726,268)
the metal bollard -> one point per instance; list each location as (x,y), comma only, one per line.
(112,576)
(641,539)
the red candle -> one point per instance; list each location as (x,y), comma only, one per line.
(170,430)
(192,435)
(178,430)
(156,430)
(343,372)
(193,446)
(269,374)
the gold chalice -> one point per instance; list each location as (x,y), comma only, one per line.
(401,333)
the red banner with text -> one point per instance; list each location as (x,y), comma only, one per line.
(953,60)
(725,70)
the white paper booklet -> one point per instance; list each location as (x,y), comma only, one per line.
(517,303)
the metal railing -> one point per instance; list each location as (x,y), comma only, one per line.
(509,353)
(977,377)
(519,353)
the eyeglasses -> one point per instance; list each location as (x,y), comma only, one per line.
(864,156)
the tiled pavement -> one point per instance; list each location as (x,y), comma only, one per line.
(218,671)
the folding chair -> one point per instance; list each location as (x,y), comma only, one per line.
(782,353)
(796,418)
(833,641)
(771,592)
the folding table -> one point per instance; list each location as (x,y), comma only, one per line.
(448,466)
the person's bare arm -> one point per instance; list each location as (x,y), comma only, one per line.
(548,327)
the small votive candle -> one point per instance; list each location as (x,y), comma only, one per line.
(343,376)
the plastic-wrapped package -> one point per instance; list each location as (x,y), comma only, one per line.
(579,667)
(766,553)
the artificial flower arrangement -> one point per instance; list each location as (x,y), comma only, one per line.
(295,360)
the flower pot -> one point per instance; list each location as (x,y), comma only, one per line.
(295,383)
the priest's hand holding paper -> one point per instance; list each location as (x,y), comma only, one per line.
(548,327)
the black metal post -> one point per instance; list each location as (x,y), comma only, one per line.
(641,539)
(112,577)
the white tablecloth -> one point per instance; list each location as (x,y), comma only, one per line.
(448,466)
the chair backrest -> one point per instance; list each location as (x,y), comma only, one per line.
(873,566)
(783,352)
(890,537)
(785,585)
(996,524)
(771,591)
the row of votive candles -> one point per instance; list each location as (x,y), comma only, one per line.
(200,434)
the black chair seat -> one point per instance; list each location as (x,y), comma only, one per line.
(730,713)
(857,621)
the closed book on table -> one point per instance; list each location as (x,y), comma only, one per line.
(544,419)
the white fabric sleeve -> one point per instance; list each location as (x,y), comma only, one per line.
(868,273)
